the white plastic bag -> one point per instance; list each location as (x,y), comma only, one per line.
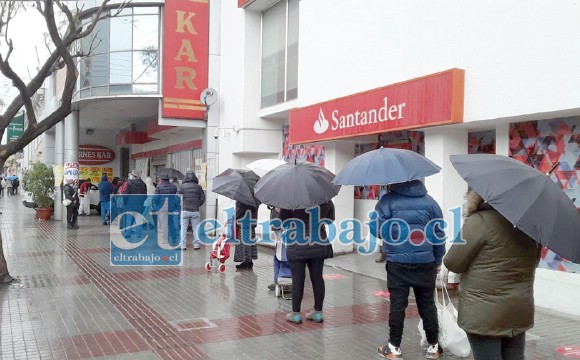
(452,338)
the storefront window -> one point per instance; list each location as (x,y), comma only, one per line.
(280,53)
(124,53)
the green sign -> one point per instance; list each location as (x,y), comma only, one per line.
(16,128)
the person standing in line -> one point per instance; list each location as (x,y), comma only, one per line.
(2,186)
(148,205)
(15,185)
(9,187)
(165,188)
(193,199)
(85,208)
(72,209)
(410,264)
(311,255)
(496,293)
(246,251)
(105,191)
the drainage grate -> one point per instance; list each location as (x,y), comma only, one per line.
(193,324)
(38,281)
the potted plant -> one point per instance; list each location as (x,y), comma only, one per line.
(40,182)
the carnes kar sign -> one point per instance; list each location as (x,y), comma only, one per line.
(95,155)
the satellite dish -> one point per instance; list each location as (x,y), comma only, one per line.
(208,96)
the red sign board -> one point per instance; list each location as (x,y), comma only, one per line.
(244,3)
(95,155)
(185,58)
(431,100)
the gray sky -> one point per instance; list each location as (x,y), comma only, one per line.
(26,31)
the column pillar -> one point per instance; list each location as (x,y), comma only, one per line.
(59,165)
(337,154)
(502,139)
(447,187)
(71,149)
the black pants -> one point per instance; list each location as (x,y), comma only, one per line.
(497,348)
(420,277)
(298,268)
(72,212)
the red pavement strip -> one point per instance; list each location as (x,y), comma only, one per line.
(572,352)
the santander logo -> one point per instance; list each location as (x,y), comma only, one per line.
(321,125)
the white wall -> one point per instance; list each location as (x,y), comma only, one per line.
(519,57)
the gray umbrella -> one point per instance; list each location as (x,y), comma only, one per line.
(296,186)
(528,198)
(237,185)
(386,166)
(169,173)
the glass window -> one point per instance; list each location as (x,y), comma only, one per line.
(101,90)
(292,52)
(121,69)
(100,70)
(121,33)
(280,53)
(100,34)
(145,89)
(146,32)
(145,67)
(145,10)
(120,89)
(85,73)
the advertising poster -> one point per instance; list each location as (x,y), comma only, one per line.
(95,173)
(58,171)
(71,173)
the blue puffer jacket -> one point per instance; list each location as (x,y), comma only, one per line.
(409,202)
(105,189)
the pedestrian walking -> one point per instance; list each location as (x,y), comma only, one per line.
(105,191)
(72,209)
(311,254)
(246,250)
(2,186)
(9,187)
(84,197)
(193,199)
(496,294)
(15,185)
(410,265)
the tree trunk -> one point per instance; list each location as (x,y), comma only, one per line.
(5,277)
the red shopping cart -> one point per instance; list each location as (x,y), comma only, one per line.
(220,252)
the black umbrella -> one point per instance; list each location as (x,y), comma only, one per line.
(169,173)
(528,198)
(237,185)
(296,186)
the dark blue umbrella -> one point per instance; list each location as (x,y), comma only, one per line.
(296,186)
(386,166)
(528,198)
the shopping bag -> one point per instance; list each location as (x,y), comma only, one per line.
(452,338)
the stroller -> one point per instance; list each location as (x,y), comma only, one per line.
(282,272)
(220,252)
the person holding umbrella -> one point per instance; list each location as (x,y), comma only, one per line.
(496,294)
(285,187)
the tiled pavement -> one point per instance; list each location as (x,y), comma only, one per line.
(71,304)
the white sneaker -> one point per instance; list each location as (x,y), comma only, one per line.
(390,351)
(434,352)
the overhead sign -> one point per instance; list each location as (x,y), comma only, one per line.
(16,128)
(185,58)
(431,100)
(244,3)
(95,155)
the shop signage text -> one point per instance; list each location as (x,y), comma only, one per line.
(95,155)
(185,58)
(432,100)
(16,128)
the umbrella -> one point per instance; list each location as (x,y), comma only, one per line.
(296,186)
(237,185)
(263,166)
(11,177)
(170,173)
(528,198)
(386,166)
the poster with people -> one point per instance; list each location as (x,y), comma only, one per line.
(305,152)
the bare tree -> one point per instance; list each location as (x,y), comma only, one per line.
(64,31)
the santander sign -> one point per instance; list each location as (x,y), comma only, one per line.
(431,100)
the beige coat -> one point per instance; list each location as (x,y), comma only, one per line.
(497,263)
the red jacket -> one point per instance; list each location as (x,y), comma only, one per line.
(84,188)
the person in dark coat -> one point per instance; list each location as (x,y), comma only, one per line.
(410,264)
(72,209)
(166,188)
(311,254)
(496,293)
(105,191)
(246,251)
(193,199)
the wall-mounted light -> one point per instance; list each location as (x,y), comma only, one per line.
(90,132)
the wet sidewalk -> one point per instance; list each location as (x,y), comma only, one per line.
(71,304)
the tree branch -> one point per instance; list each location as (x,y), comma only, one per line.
(8,72)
